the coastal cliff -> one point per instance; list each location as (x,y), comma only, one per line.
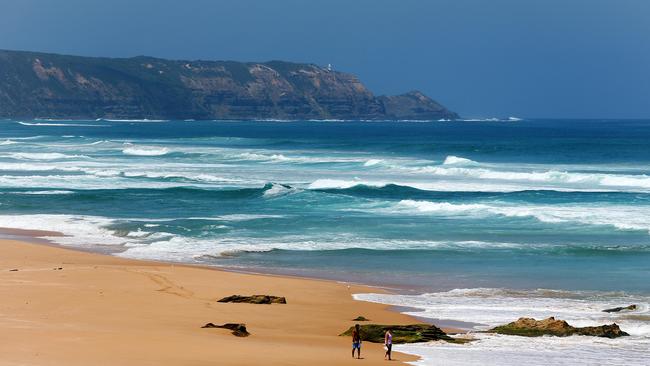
(36,85)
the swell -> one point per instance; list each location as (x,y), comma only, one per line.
(396,191)
(388,192)
(176,193)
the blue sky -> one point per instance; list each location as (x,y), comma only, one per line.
(527,58)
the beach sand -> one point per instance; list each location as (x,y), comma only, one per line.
(105,310)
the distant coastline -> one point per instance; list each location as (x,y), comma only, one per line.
(37,85)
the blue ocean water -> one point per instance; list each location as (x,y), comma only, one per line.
(451,213)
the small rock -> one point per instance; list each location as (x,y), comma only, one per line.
(255,299)
(237,329)
(13,270)
(619,309)
(361,318)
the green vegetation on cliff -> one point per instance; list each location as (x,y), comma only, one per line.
(58,86)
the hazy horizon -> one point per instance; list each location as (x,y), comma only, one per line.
(583,59)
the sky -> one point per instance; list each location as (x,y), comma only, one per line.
(480,58)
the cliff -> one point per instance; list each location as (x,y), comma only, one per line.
(57,86)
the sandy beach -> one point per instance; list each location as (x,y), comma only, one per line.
(103,310)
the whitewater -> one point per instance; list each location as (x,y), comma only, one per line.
(477,222)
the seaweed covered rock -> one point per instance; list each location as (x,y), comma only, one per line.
(530,327)
(255,299)
(401,333)
(237,329)
(621,308)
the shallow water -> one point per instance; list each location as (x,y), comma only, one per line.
(424,207)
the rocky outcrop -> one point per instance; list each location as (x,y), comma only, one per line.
(619,309)
(56,86)
(237,329)
(255,299)
(412,106)
(401,333)
(530,327)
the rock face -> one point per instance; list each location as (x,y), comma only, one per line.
(255,299)
(237,329)
(401,333)
(619,309)
(411,105)
(534,328)
(57,86)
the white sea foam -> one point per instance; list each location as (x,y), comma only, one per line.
(457,167)
(43,193)
(80,182)
(29,137)
(37,167)
(144,120)
(491,119)
(373,162)
(282,158)
(89,231)
(59,124)
(44,156)
(208,178)
(278,190)
(455,160)
(490,307)
(496,350)
(617,216)
(130,149)
(79,230)
(97,142)
(238,217)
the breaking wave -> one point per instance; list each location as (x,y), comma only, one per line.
(59,124)
(145,150)
(455,160)
(45,156)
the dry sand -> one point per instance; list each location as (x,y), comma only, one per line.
(104,310)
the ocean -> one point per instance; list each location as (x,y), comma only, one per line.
(472,221)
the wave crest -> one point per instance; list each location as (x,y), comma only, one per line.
(145,150)
(455,160)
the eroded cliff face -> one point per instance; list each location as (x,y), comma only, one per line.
(49,85)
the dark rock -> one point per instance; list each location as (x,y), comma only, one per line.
(13,270)
(255,299)
(401,333)
(529,327)
(414,106)
(361,319)
(237,329)
(619,309)
(59,86)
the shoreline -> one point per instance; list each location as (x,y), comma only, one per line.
(77,307)
(40,237)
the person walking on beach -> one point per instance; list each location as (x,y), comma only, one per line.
(356,341)
(388,342)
